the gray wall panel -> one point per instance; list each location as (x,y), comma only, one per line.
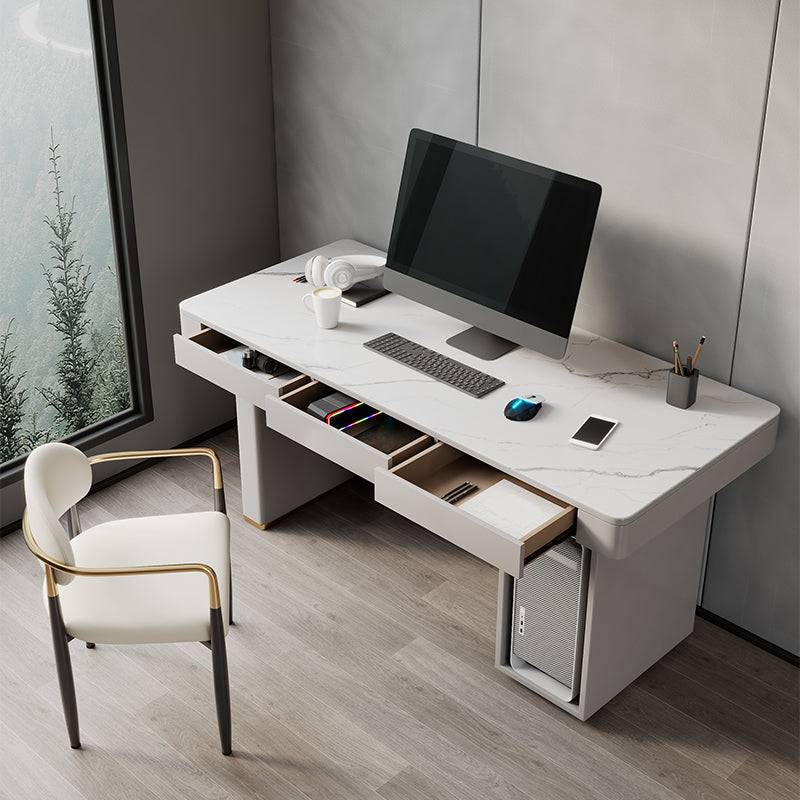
(196,93)
(196,90)
(753,563)
(351,78)
(661,104)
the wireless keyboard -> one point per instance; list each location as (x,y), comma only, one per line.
(444,369)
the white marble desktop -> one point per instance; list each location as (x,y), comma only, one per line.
(656,466)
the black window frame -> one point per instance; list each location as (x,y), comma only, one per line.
(120,200)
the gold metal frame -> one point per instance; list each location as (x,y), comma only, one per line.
(52,564)
(181,451)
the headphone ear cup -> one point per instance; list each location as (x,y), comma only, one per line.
(343,272)
(340,275)
(309,269)
(315,270)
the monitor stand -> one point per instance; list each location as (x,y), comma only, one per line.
(481,343)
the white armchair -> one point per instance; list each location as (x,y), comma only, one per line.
(142,580)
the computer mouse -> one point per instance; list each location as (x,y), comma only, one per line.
(522,408)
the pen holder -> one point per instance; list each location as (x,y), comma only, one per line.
(682,389)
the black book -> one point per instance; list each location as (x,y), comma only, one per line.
(364,292)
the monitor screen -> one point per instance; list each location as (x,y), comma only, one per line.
(492,240)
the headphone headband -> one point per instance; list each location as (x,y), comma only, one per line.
(362,260)
(343,271)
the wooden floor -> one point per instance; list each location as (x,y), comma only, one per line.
(361,666)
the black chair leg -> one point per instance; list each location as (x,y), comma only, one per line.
(64,669)
(230,598)
(222,692)
(90,645)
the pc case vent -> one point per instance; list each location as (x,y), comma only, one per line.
(549,610)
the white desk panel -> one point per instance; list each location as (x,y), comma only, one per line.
(659,464)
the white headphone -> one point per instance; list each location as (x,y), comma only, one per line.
(343,271)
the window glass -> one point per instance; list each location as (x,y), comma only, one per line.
(63,355)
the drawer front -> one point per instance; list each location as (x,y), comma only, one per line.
(301,427)
(451,523)
(287,415)
(219,369)
(425,507)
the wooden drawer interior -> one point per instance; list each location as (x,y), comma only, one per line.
(441,468)
(382,433)
(283,380)
(214,341)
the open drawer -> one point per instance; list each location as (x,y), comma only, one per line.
(218,359)
(415,489)
(378,442)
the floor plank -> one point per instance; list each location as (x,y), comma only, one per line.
(412,783)
(763,778)
(699,742)
(726,646)
(27,775)
(769,702)
(362,667)
(527,720)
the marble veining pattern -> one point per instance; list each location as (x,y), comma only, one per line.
(616,483)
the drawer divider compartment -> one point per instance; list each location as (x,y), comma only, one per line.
(380,441)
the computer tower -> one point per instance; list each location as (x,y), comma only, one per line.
(549,614)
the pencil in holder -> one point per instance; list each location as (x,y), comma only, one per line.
(682,389)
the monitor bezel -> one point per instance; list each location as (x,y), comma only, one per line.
(493,322)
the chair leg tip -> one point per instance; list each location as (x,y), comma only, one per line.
(76,746)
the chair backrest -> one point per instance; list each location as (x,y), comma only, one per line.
(57,476)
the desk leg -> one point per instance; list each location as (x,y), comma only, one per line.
(278,475)
(640,607)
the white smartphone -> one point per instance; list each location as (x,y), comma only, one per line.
(594,431)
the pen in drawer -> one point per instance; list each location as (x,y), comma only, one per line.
(456,490)
(463,493)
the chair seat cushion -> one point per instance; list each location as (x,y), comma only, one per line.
(171,607)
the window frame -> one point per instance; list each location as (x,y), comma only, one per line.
(120,200)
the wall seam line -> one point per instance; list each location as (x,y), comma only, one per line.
(751,212)
(746,255)
(480,54)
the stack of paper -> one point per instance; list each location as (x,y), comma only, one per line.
(510,508)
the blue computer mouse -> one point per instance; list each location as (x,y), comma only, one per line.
(523,408)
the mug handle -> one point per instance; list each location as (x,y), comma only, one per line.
(306,298)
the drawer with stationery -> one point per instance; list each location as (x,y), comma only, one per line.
(219,359)
(342,429)
(494,516)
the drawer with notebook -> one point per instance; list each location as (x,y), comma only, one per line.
(494,516)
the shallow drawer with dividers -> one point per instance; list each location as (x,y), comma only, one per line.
(415,489)
(378,442)
(218,359)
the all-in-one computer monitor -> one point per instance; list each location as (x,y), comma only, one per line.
(492,240)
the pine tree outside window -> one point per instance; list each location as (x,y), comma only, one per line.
(71,358)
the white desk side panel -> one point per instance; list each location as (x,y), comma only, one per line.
(639,608)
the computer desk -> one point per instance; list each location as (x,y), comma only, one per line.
(639,504)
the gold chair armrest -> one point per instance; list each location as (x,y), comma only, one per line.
(151,569)
(219,497)
(179,451)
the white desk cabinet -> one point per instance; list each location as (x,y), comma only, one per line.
(639,504)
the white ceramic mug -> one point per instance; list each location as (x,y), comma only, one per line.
(325,303)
